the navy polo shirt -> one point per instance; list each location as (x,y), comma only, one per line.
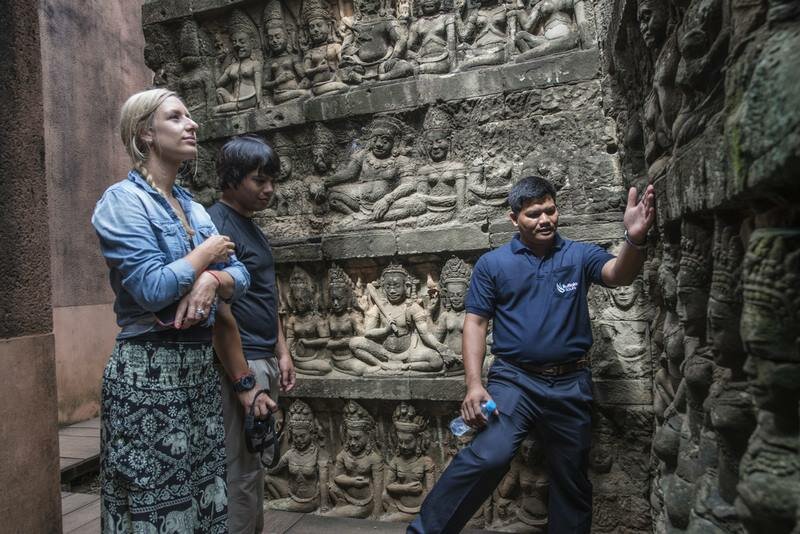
(538,305)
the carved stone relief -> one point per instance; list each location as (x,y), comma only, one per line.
(769,484)
(401,127)
(356,486)
(290,51)
(410,473)
(305,465)
(727,427)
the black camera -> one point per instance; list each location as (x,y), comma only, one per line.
(260,435)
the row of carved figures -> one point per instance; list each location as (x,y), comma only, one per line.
(362,480)
(329,54)
(381,328)
(381,183)
(688,44)
(727,395)
(387,328)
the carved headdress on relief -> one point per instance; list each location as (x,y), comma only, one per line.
(323,137)
(240,22)
(191,46)
(300,417)
(275,17)
(695,259)
(356,417)
(727,254)
(456,271)
(338,278)
(437,119)
(405,419)
(301,286)
(771,310)
(693,278)
(312,10)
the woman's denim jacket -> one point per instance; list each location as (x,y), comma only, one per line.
(144,244)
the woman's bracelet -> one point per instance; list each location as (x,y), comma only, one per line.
(219,282)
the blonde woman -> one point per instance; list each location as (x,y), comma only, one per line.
(162,444)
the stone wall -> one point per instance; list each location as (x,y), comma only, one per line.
(708,100)
(29,491)
(401,129)
(91,57)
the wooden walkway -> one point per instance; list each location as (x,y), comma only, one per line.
(79,446)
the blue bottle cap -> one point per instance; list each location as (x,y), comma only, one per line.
(490,406)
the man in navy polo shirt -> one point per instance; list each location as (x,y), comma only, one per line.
(534,288)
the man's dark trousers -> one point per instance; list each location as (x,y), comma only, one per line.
(558,410)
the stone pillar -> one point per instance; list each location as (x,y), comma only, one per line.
(29,467)
(94,53)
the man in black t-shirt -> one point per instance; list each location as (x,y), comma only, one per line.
(246,167)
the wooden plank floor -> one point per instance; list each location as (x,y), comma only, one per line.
(79,447)
(80,513)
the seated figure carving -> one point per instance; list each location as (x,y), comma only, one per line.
(305,462)
(410,472)
(283,70)
(373,46)
(357,482)
(549,28)
(321,60)
(396,336)
(521,498)
(432,40)
(239,86)
(483,35)
(441,182)
(344,322)
(306,330)
(374,179)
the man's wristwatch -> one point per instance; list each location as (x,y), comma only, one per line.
(244,383)
(637,246)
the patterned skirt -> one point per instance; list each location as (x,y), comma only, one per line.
(162,440)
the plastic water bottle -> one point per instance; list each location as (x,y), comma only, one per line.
(459,427)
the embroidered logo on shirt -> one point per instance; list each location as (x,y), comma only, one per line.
(566,288)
